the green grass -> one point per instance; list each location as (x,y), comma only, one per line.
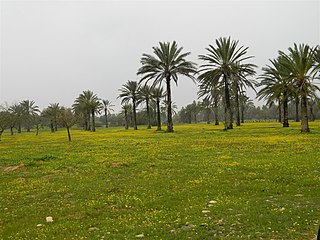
(117,184)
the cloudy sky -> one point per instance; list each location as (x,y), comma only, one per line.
(53,50)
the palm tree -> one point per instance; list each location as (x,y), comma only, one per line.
(52,112)
(245,102)
(5,119)
(239,82)
(29,110)
(276,86)
(129,91)
(107,109)
(126,108)
(145,94)
(299,65)
(167,64)
(222,64)
(17,112)
(157,94)
(88,104)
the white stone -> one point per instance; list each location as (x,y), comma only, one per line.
(205,211)
(140,235)
(212,202)
(49,219)
(39,225)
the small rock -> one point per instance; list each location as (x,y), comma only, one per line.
(212,202)
(140,235)
(49,219)
(93,229)
(39,225)
(205,211)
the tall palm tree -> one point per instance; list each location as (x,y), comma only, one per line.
(107,105)
(299,64)
(166,65)
(126,108)
(157,94)
(222,63)
(129,91)
(17,111)
(275,85)
(240,81)
(145,94)
(30,110)
(52,112)
(88,104)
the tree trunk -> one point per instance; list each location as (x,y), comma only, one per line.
(93,121)
(148,113)
(280,114)
(37,132)
(1,134)
(297,110)
(158,115)
(216,112)
(237,106)
(55,125)
(135,127)
(242,114)
(312,117)
(208,115)
(69,135)
(106,115)
(228,112)
(11,131)
(285,114)
(19,128)
(126,126)
(304,114)
(169,110)
(51,126)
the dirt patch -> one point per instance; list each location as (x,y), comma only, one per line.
(119,164)
(12,168)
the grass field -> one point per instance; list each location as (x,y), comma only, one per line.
(258,181)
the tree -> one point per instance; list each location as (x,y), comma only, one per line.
(145,94)
(29,111)
(276,86)
(51,113)
(222,65)
(157,94)
(107,109)
(5,119)
(16,111)
(299,66)
(167,64)
(129,91)
(67,119)
(88,104)
(126,108)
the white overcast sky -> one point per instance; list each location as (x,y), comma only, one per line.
(53,50)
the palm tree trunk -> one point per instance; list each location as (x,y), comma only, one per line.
(106,115)
(19,128)
(312,117)
(242,114)
(93,121)
(208,115)
(51,126)
(228,112)
(216,112)
(285,114)
(169,110)
(148,113)
(304,114)
(55,125)
(280,114)
(237,106)
(11,130)
(158,115)
(126,126)
(297,109)
(135,127)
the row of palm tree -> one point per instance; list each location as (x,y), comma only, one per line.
(136,93)
(226,73)
(291,77)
